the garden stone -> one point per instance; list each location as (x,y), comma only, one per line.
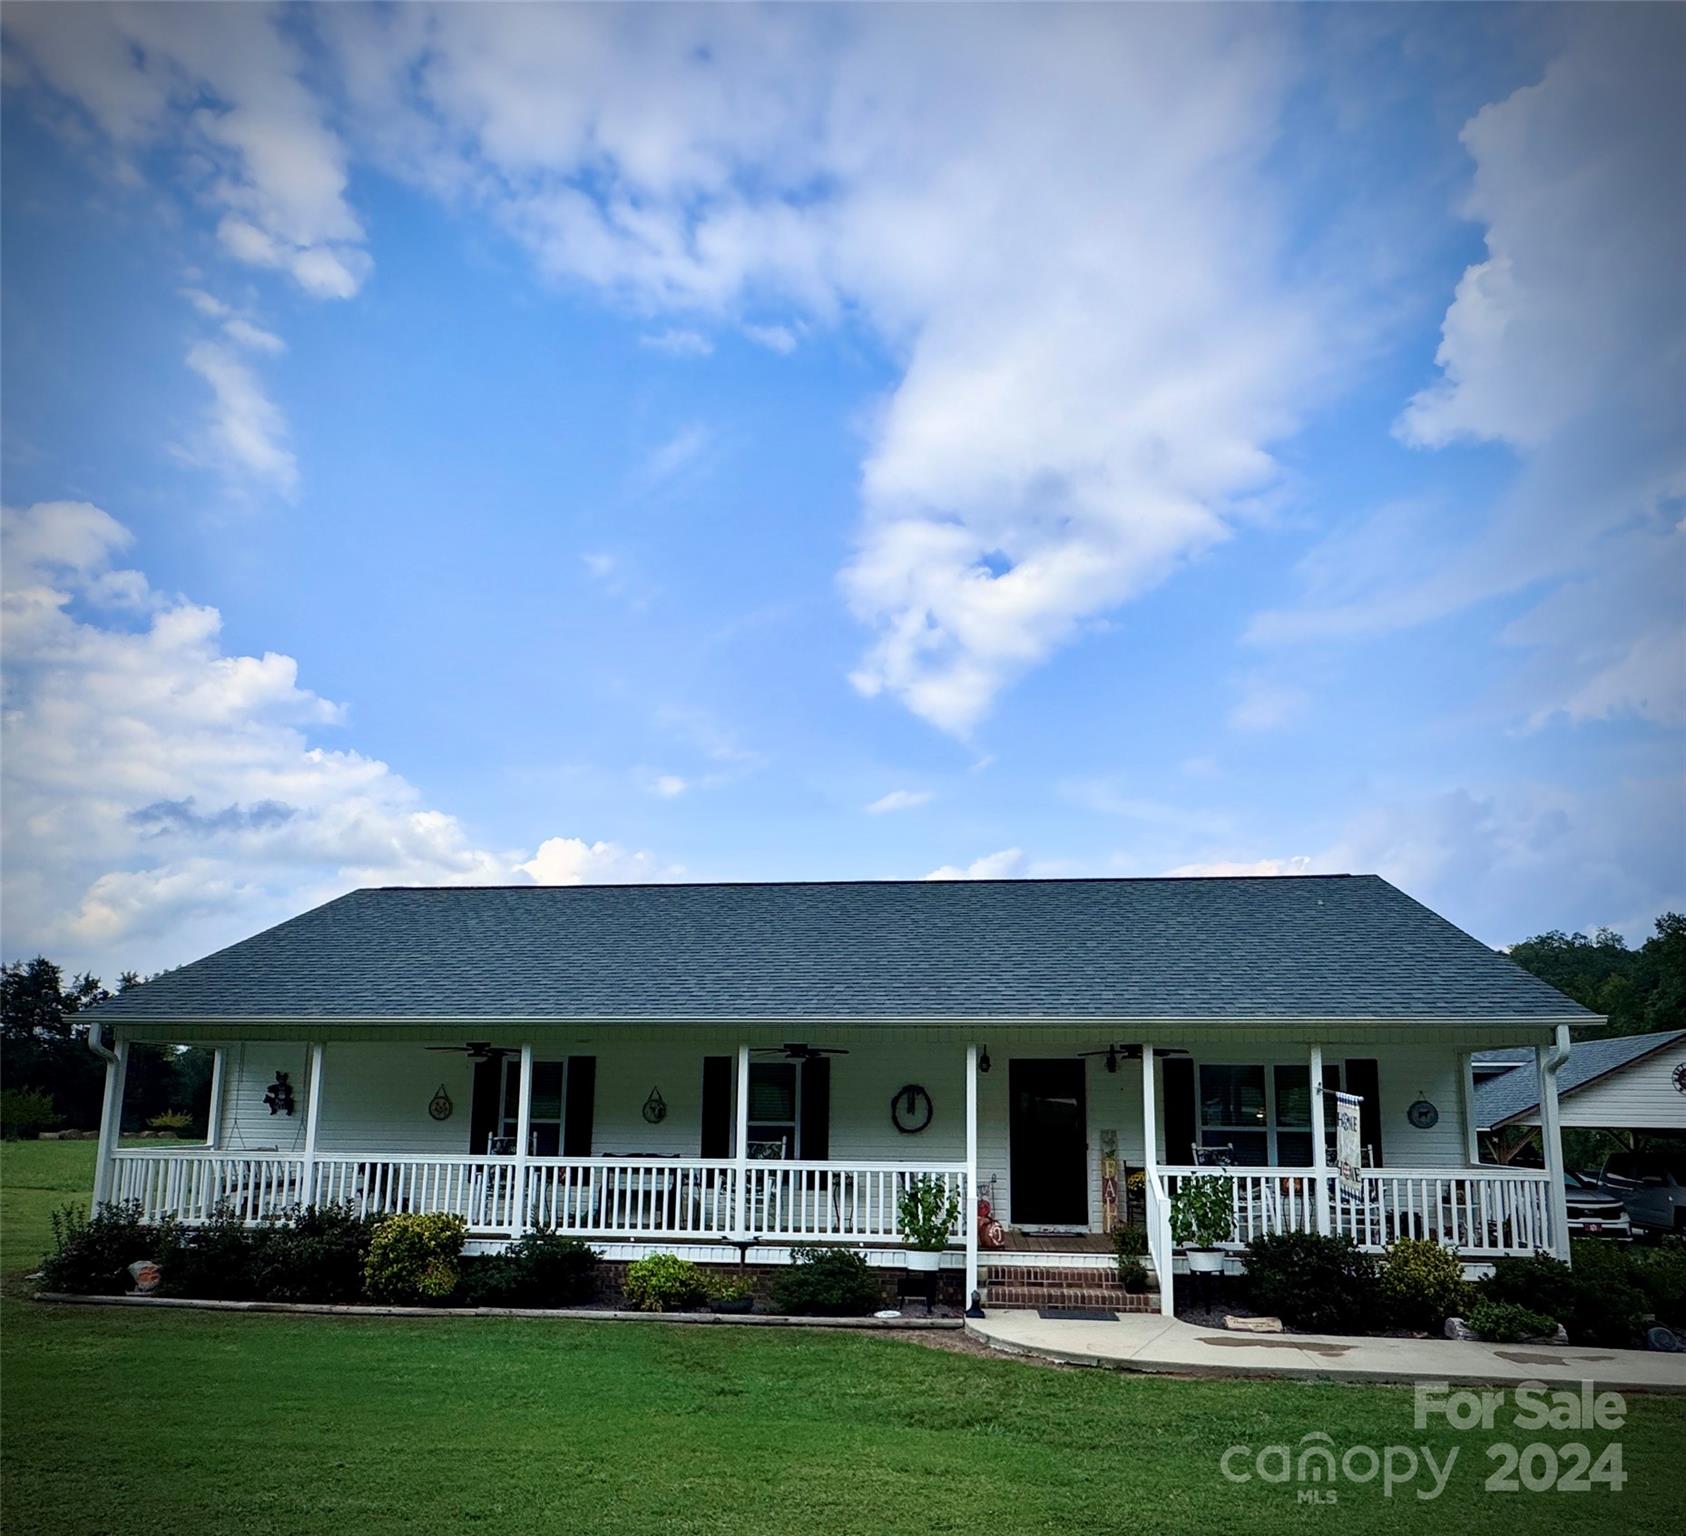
(1253,1324)
(1457,1328)
(1663,1339)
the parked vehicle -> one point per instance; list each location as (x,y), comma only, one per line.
(1594,1209)
(1653,1188)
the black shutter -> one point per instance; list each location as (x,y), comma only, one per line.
(716,1107)
(1177,1082)
(1363,1077)
(483,1105)
(816,1109)
(582,1096)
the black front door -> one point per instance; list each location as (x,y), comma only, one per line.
(1049,1144)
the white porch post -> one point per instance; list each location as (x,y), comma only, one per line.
(1472,1135)
(312,1120)
(523,1134)
(1160,1250)
(740,1140)
(969,1213)
(1547,1059)
(213,1115)
(1150,1128)
(111,1119)
(1319,1156)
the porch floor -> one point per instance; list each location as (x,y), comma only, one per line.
(1051,1242)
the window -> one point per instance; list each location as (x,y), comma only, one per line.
(1263,1115)
(1232,1113)
(545,1126)
(773,1103)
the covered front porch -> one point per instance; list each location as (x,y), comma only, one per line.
(644,1138)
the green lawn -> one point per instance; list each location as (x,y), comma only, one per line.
(36,1178)
(120,1420)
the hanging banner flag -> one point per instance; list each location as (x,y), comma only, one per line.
(1348,1144)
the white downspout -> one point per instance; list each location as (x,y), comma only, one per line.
(111,1111)
(1549,1061)
(969,1213)
(1319,1153)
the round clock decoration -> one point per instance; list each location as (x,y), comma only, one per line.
(1680,1078)
(1423,1115)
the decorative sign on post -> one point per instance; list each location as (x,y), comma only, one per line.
(1349,1153)
(1109,1181)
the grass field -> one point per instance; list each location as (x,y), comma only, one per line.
(36,1178)
(202,1422)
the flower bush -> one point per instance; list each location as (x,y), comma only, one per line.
(91,1254)
(827,1282)
(541,1269)
(664,1282)
(1421,1284)
(413,1259)
(25,1113)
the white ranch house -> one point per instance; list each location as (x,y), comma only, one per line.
(730,1070)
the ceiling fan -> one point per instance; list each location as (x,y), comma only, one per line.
(476,1050)
(1117,1053)
(799,1052)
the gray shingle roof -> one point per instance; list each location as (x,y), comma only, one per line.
(1517,1092)
(1297,947)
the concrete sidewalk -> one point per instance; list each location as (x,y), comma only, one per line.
(1138,1342)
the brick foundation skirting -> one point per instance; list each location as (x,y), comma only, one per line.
(611,1286)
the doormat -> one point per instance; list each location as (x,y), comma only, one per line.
(1076,1315)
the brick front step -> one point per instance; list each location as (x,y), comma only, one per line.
(1053,1286)
(1010,1297)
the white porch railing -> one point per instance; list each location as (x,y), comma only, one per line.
(1159,1237)
(1483,1213)
(627,1198)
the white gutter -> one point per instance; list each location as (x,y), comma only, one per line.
(98,1046)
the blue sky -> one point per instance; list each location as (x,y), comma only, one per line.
(462,444)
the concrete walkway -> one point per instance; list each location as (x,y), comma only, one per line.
(1148,1342)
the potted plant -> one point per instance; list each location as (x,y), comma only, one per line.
(1202,1216)
(925,1215)
(731,1293)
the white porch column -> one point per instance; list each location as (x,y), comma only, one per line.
(1160,1250)
(1547,1059)
(1319,1156)
(312,1120)
(969,1211)
(523,1134)
(213,1115)
(1472,1134)
(740,1140)
(1150,1128)
(111,1119)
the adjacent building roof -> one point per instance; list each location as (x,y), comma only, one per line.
(1299,947)
(1516,1092)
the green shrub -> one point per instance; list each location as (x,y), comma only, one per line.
(216,1260)
(91,1255)
(1203,1212)
(25,1113)
(1421,1284)
(413,1259)
(1660,1275)
(827,1282)
(177,1122)
(1594,1301)
(1504,1322)
(727,1287)
(664,1282)
(320,1256)
(1321,1284)
(1132,1275)
(541,1269)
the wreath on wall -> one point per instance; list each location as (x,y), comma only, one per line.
(910,1109)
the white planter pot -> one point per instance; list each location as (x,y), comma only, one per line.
(922,1259)
(1204,1261)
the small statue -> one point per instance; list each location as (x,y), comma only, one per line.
(279,1098)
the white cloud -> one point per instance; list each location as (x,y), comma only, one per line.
(247,432)
(1097,343)
(1564,344)
(162,798)
(669,785)
(1301,865)
(775,338)
(676,454)
(221,86)
(899,800)
(211,307)
(678,342)
(1266,705)
(1007,864)
(253,336)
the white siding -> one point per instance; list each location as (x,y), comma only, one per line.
(1641,1097)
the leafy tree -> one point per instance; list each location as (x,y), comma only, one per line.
(41,1037)
(1640,990)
